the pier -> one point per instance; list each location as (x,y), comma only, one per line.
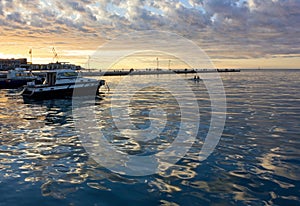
(154,71)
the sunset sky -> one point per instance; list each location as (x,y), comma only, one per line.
(234,33)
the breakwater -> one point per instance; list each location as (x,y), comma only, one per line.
(154,71)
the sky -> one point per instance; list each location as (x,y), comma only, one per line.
(233,33)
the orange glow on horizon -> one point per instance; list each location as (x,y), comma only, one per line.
(79,50)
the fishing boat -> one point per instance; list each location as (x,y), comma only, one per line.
(62,84)
(17,78)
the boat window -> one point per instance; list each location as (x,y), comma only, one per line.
(68,74)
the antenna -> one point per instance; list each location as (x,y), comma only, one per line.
(157,62)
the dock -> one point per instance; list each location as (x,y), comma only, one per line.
(153,72)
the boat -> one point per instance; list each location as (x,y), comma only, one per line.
(228,70)
(17,78)
(3,76)
(62,84)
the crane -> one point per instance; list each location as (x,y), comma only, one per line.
(55,57)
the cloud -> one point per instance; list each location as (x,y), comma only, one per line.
(248,28)
(255,27)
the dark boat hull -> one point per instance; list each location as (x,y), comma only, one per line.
(61,93)
(13,84)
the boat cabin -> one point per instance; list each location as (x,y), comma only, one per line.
(19,73)
(61,77)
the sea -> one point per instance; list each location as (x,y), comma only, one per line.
(45,159)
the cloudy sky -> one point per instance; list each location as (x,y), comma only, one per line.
(234,33)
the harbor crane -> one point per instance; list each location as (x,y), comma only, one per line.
(55,57)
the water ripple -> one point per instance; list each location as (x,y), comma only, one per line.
(255,163)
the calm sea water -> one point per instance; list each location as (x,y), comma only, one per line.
(257,160)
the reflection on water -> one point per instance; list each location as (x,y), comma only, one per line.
(256,162)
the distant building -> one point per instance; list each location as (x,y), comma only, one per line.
(7,64)
(53,66)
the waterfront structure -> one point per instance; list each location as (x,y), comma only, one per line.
(8,64)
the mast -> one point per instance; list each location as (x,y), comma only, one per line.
(30,52)
(89,57)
